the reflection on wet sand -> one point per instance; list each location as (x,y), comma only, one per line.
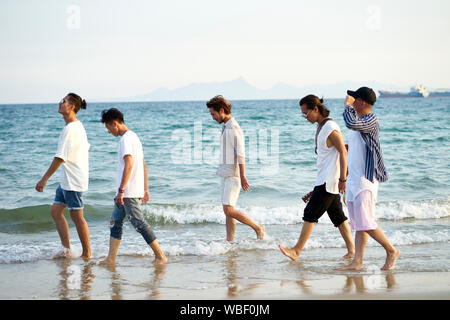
(368,282)
(76,280)
(115,281)
(232,277)
(155,283)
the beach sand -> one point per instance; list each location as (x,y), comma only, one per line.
(231,276)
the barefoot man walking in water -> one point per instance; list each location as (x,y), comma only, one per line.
(232,166)
(73,157)
(366,169)
(332,170)
(132,187)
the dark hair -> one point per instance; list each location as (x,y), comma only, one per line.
(219,102)
(312,101)
(112,114)
(76,101)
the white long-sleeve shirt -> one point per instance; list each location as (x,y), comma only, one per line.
(232,149)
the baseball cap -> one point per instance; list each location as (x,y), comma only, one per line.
(364,93)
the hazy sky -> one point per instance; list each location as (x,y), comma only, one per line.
(124,48)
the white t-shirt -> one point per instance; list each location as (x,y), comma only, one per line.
(356,180)
(232,149)
(131,145)
(328,169)
(73,149)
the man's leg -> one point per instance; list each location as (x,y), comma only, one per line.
(116,225)
(160,257)
(112,253)
(230,226)
(339,220)
(133,209)
(295,251)
(360,244)
(83,231)
(391,252)
(344,229)
(231,212)
(62,227)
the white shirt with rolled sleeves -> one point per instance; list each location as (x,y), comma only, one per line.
(232,149)
(73,149)
(328,169)
(131,145)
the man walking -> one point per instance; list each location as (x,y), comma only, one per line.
(331,175)
(232,166)
(132,186)
(73,157)
(366,169)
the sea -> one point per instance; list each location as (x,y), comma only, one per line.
(181,145)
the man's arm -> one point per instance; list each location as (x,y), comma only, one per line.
(51,170)
(335,139)
(366,124)
(128,167)
(146,197)
(244,182)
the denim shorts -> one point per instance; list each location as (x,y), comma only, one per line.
(72,199)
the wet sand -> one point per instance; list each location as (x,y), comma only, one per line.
(233,276)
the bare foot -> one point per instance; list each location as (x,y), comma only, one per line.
(160,260)
(64,253)
(107,262)
(391,258)
(352,266)
(349,255)
(290,253)
(86,257)
(261,232)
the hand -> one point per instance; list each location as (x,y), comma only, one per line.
(146,197)
(341,186)
(119,200)
(40,185)
(306,197)
(244,183)
(349,100)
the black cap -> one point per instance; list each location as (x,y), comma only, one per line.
(365,94)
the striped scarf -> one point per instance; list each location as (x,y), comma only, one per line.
(369,129)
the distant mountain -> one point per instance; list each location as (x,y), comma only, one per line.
(240,89)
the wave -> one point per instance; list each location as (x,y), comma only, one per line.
(37,218)
(195,214)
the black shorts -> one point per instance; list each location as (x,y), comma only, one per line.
(322,201)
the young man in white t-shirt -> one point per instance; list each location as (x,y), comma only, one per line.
(231,166)
(73,157)
(331,178)
(131,186)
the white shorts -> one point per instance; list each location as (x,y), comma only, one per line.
(229,190)
(362,211)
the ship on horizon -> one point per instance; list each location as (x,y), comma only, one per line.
(418,91)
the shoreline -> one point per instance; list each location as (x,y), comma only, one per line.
(136,278)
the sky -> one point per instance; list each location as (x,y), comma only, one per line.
(110,49)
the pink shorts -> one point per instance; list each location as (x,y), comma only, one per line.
(362,212)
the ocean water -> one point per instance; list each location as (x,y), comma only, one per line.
(180,142)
